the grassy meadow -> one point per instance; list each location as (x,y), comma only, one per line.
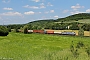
(84,21)
(19,46)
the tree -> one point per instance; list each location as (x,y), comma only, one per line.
(81,32)
(21,29)
(9,29)
(3,31)
(25,29)
(86,27)
(16,30)
(74,26)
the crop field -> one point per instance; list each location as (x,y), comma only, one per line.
(19,46)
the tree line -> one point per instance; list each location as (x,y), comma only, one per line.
(58,24)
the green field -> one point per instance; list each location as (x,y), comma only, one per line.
(19,46)
(84,21)
(80,21)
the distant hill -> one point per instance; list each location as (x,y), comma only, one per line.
(84,17)
(60,23)
(42,21)
(40,24)
(75,17)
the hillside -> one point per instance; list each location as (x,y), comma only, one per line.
(61,23)
(75,17)
(40,24)
(72,18)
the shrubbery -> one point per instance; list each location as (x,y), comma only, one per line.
(3,31)
(79,48)
(9,29)
(15,30)
(25,28)
(81,32)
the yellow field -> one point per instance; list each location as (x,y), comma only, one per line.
(86,33)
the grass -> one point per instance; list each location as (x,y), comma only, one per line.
(84,21)
(19,46)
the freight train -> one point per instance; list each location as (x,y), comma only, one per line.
(51,32)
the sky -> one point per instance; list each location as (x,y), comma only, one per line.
(24,11)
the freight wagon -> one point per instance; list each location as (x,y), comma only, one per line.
(38,31)
(68,33)
(52,32)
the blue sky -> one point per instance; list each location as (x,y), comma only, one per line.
(24,11)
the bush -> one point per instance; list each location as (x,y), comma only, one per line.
(3,31)
(88,51)
(15,30)
(80,44)
(9,29)
(81,32)
(25,29)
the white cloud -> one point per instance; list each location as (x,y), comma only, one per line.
(76,12)
(77,6)
(26,6)
(76,9)
(56,16)
(33,7)
(65,11)
(7,9)
(6,1)
(51,11)
(88,10)
(42,6)
(36,0)
(49,4)
(29,13)
(11,14)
